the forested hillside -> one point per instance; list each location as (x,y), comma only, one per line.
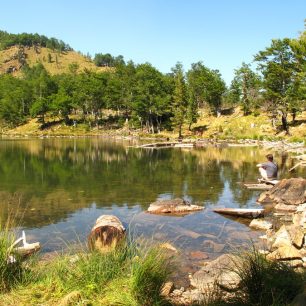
(56,84)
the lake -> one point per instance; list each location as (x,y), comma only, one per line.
(56,189)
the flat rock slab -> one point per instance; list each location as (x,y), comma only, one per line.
(175,206)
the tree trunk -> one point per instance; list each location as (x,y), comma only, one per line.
(285,123)
(180,131)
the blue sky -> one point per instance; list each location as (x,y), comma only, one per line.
(220,33)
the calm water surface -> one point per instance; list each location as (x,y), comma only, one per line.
(58,188)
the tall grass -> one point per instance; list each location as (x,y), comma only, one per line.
(12,270)
(128,275)
(265,282)
(262,283)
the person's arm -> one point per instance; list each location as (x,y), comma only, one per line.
(259,165)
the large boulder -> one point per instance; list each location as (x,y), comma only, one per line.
(175,206)
(221,271)
(288,191)
(107,232)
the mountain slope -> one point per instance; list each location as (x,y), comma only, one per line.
(13,58)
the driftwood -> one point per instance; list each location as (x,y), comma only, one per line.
(106,234)
(268,182)
(240,212)
(168,145)
(255,186)
(302,163)
(24,249)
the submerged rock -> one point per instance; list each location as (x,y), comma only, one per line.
(260,224)
(220,271)
(106,234)
(175,206)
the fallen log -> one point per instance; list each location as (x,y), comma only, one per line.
(257,186)
(175,144)
(25,249)
(106,234)
(240,212)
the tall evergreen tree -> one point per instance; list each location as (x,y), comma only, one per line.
(179,98)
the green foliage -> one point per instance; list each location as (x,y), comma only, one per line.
(283,79)
(25,39)
(245,88)
(107,60)
(179,98)
(205,86)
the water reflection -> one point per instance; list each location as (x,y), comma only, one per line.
(58,187)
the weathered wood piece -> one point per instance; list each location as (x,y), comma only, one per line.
(175,206)
(258,186)
(23,248)
(268,182)
(106,234)
(175,144)
(241,212)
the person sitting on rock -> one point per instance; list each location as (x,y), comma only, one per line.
(268,170)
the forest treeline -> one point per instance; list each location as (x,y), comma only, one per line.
(31,40)
(146,98)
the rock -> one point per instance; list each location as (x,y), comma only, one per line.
(299,300)
(295,263)
(175,206)
(285,252)
(213,247)
(282,238)
(192,296)
(166,289)
(285,208)
(260,224)
(198,255)
(288,191)
(220,271)
(264,198)
(106,234)
(300,219)
(70,299)
(296,234)
(168,246)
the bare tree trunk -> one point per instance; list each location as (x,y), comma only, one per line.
(285,123)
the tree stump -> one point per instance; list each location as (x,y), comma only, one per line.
(106,234)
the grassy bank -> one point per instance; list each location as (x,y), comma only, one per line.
(234,126)
(126,276)
(134,276)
